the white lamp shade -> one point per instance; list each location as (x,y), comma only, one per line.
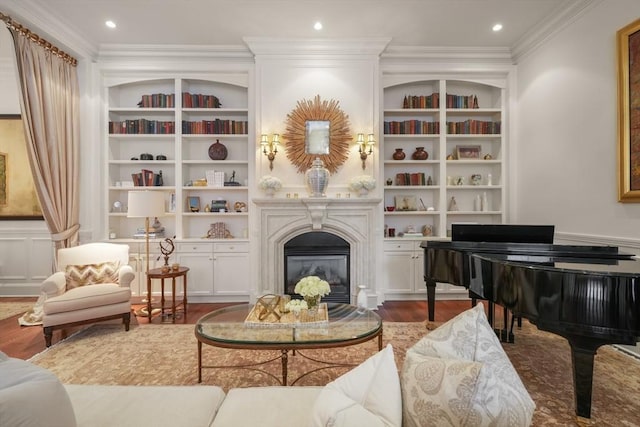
(143,204)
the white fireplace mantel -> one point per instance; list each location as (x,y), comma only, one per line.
(353,219)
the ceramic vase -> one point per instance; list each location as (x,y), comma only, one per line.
(361,299)
(420,154)
(363,192)
(398,154)
(317,178)
(270,192)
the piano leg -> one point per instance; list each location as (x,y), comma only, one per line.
(582,355)
(431,297)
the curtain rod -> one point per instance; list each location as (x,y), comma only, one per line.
(13,25)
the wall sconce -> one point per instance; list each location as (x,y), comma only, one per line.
(365,148)
(270,148)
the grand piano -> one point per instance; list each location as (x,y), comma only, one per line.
(589,295)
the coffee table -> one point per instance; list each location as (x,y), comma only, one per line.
(348,325)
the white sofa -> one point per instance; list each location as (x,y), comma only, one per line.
(456,375)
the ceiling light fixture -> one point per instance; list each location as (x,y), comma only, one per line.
(317,26)
(497,27)
(110,24)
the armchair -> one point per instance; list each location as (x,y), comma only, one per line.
(92,285)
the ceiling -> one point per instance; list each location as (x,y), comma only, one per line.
(441,23)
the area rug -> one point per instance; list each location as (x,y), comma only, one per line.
(8,309)
(167,354)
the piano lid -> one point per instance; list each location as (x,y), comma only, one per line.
(513,233)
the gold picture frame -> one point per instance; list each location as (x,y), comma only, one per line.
(18,198)
(628,52)
(295,137)
(468,152)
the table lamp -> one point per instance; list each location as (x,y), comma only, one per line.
(145,204)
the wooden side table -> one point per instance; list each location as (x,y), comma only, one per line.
(157,273)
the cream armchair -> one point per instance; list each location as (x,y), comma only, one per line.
(92,285)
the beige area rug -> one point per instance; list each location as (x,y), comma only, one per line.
(8,309)
(167,354)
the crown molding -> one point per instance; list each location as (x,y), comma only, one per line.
(450,54)
(555,23)
(316,47)
(136,51)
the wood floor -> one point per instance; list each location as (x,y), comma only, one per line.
(23,342)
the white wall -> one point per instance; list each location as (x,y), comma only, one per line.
(566,142)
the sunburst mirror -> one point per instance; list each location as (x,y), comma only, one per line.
(317,128)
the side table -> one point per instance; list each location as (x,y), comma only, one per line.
(157,273)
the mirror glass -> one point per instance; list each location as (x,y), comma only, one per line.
(317,136)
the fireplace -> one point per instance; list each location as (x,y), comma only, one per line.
(353,220)
(321,254)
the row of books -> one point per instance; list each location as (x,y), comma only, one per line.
(421,101)
(158,100)
(199,100)
(471,127)
(433,101)
(142,126)
(411,127)
(141,234)
(189,100)
(147,178)
(217,126)
(417,178)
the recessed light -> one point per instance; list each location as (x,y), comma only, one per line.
(497,27)
(110,24)
(317,26)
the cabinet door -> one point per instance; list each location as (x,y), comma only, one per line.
(398,272)
(418,268)
(231,273)
(200,275)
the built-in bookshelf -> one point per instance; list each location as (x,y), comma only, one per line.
(146,149)
(462,132)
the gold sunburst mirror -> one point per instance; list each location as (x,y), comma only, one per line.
(317,128)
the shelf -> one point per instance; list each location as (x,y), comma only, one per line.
(474,213)
(412,213)
(474,187)
(410,187)
(215,214)
(212,188)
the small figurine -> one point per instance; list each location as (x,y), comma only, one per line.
(453,205)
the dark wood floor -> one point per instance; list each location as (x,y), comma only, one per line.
(23,342)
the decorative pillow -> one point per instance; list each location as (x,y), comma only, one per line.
(80,275)
(499,398)
(437,391)
(367,395)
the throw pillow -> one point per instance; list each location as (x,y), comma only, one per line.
(81,275)
(437,391)
(368,395)
(500,398)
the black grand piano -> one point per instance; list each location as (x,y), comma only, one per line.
(589,295)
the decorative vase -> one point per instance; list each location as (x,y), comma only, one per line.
(317,178)
(398,154)
(313,301)
(420,154)
(363,192)
(270,192)
(361,300)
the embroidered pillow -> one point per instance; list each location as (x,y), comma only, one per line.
(90,274)
(499,397)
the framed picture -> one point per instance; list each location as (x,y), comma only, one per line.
(194,203)
(406,203)
(468,152)
(628,45)
(18,199)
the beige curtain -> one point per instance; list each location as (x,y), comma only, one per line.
(50,110)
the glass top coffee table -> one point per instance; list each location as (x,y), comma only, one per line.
(226,328)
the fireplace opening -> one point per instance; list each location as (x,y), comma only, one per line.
(322,254)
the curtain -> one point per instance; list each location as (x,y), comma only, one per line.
(50,110)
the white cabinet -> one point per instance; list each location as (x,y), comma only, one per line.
(198,257)
(460,125)
(403,268)
(231,269)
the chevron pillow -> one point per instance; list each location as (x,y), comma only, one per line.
(80,275)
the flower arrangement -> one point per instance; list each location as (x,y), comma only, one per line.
(312,286)
(296,305)
(362,182)
(270,182)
